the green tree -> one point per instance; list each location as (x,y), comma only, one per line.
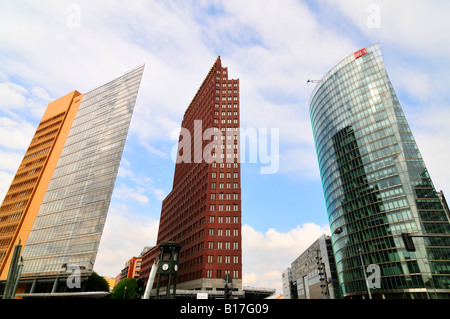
(96,283)
(125,289)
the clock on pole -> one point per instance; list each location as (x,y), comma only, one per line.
(168,267)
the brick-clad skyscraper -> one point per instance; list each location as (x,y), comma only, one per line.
(203,210)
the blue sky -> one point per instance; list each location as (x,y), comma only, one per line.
(49,48)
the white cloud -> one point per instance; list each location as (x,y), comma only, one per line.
(12,96)
(266,254)
(124,236)
(5,182)
(15,134)
(413,33)
(272,64)
(10,161)
(141,185)
(134,194)
(419,85)
(17,99)
(152,150)
(301,162)
(431,130)
(273,48)
(415,26)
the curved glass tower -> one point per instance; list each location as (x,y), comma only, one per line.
(376,186)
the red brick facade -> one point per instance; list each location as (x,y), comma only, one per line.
(203,210)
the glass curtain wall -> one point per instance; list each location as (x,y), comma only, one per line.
(376,184)
(69,224)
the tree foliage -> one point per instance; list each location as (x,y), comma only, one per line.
(125,289)
(96,283)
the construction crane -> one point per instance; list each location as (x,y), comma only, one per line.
(312,81)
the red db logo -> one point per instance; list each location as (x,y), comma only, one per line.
(360,53)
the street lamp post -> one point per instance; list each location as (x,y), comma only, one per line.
(228,281)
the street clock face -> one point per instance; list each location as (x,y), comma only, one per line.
(175,267)
(165,267)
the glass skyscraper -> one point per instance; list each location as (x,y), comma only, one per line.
(376,185)
(78,147)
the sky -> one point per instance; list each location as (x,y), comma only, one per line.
(49,48)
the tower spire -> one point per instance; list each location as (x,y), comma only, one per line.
(218,61)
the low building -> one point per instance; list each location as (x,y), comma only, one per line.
(111,282)
(289,289)
(132,267)
(314,272)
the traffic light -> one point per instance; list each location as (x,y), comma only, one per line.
(407,240)
(227,292)
(140,287)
